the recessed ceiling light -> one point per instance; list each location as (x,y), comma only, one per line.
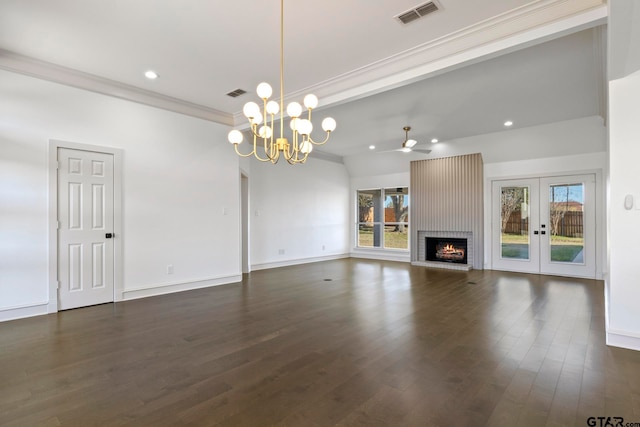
(508,123)
(151,75)
(434,140)
(372,147)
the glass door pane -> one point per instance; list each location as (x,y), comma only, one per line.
(515,240)
(514,223)
(566,221)
(567,226)
(370,217)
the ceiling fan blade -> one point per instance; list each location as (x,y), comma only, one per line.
(401,150)
(420,150)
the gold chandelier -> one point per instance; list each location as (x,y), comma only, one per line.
(301,144)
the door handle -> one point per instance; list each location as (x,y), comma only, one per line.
(536,232)
(108,235)
(543,232)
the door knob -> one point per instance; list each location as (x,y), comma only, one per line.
(543,232)
(108,235)
(536,232)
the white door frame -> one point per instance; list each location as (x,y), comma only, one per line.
(53,217)
(601,220)
(245,250)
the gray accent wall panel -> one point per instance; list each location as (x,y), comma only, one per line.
(446,195)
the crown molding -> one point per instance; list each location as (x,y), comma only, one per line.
(17,63)
(534,23)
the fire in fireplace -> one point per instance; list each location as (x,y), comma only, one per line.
(446,249)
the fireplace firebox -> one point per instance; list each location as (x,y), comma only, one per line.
(446,249)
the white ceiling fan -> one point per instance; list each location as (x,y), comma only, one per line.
(409,144)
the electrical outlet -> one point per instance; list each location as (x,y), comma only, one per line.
(170,269)
(280,251)
(323,247)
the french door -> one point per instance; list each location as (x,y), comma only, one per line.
(545,225)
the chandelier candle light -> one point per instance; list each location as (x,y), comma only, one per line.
(301,144)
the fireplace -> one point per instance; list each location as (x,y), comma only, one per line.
(446,249)
(450,236)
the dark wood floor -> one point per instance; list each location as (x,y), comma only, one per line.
(347,342)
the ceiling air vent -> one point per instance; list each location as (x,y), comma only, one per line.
(417,12)
(236,93)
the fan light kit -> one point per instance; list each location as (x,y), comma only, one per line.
(408,144)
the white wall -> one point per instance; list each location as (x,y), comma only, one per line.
(623,327)
(298,213)
(178,175)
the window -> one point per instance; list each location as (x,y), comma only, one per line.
(383,218)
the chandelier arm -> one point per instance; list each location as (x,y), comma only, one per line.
(243,155)
(320,142)
(253,129)
(297,160)
(255,152)
(255,146)
(291,150)
(257,156)
(288,153)
(275,159)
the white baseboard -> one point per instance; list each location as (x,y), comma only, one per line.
(297,261)
(28,310)
(382,255)
(623,339)
(169,288)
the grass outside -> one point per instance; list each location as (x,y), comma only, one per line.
(564,253)
(555,240)
(563,248)
(515,251)
(392,239)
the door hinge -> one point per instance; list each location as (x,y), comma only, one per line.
(58,284)
(58,225)
(58,165)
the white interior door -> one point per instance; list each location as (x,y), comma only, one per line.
(545,225)
(85,218)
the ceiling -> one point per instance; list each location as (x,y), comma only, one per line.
(460,71)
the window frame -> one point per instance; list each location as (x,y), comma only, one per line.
(381,223)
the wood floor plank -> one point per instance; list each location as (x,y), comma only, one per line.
(344,342)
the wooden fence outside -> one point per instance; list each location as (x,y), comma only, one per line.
(570,225)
